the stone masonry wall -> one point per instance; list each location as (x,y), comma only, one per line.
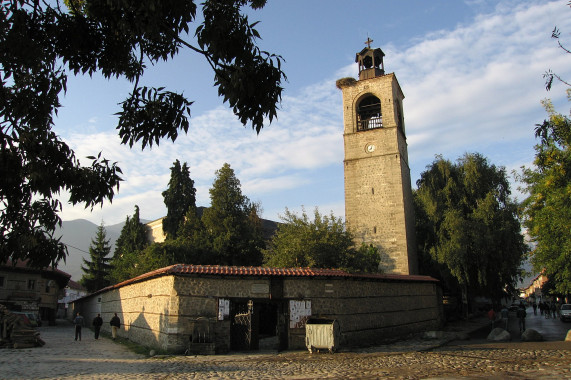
(159,312)
(368,312)
(378,197)
(148,311)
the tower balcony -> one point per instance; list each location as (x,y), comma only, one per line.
(372,123)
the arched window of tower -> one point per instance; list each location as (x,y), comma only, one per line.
(369,113)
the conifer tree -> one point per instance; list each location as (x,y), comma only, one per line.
(193,235)
(178,197)
(128,247)
(96,270)
(231,222)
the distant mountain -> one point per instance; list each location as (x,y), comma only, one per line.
(77,235)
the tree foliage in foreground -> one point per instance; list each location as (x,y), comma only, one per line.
(468,231)
(319,243)
(547,209)
(42,42)
(96,270)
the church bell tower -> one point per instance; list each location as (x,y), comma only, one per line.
(378,196)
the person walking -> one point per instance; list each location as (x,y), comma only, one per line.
(97,323)
(521,314)
(492,316)
(505,316)
(115,323)
(534,308)
(79,323)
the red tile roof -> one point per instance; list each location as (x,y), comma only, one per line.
(220,270)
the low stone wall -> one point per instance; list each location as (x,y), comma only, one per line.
(161,312)
(368,311)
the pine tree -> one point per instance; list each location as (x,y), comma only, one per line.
(128,247)
(178,197)
(231,222)
(194,236)
(96,271)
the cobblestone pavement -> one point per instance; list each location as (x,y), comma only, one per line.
(63,358)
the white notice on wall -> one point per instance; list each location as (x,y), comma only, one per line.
(223,309)
(299,313)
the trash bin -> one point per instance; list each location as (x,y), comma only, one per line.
(322,334)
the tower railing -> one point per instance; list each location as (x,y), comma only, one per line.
(372,123)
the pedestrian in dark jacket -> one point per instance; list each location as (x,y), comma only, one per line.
(79,323)
(97,323)
(521,314)
(115,323)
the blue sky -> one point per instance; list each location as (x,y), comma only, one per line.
(471,72)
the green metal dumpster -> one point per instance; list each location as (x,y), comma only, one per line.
(322,334)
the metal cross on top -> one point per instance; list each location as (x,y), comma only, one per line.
(368,42)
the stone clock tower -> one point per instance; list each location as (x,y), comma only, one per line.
(378,196)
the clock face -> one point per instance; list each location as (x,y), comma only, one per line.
(370,148)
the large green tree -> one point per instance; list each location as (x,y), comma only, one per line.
(42,42)
(322,242)
(467,226)
(232,222)
(179,197)
(97,270)
(547,209)
(131,241)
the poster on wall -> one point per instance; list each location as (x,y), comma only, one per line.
(223,309)
(299,313)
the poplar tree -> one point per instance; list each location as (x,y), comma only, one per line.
(96,270)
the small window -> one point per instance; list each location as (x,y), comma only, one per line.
(375,230)
(31,284)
